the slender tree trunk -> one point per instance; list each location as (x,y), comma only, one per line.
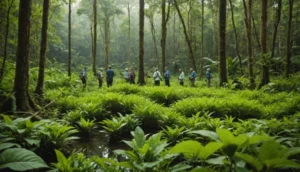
(237,48)
(95,37)
(265,78)
(106,38)
(141,78)
(202,40)
(288,41)
(248,12)
(174,35)
(222,51)
(69,40)
(129,35)
(92,37)
(193,61)
(23,100)
(163,34)
(255,32)
(6,39)
(154,40)
(276,24)
(43,51)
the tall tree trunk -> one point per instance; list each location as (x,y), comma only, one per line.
(248,12)
(222,51)
(202,40)
(265,78)
(192,58)
(237,48)
(106,39)
(6,39)
(255,32)
(129,35)
(141,78)
(163,34)
(69,40)
(43,50)
(95,37)
(23,100)
(154,40)
(276,24)
(288,41)
(92,38)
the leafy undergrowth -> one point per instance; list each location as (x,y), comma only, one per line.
(189,129)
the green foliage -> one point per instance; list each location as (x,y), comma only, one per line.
(75,162)
(19,159)
(146,154)
(113,126)
(173,134)
(86,127)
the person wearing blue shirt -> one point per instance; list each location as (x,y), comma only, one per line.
(208,76)
(109,76)
(192,77)
(167,77)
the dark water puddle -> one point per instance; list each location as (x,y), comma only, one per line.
(98,145)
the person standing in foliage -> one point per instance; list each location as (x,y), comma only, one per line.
(83,77)
(131,76)
(100,78)
(192,77)
(156,77)
(126,75)
(208,77)
(181,77)
(109,76)
(167,77)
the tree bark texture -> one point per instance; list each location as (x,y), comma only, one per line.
(43,50)
(163,34)
(107,41)
(288,41)
(248,12)
(141,78)
(129,31)
(265,78)
(276,24)
(192,58)
(22,58)
(6,39)
(69,40)
(237,48)
(95,37)
(222,49)
(151,20)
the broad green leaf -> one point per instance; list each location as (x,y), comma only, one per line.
(212,135)
(139,137)
(61,157)
(216,161)
(7,119)
(281,163)
(20,159)
(229,149)
(209,149)
(203,170)
(190,146)
(143,151)
(240,140)
(251,160)
(33,141)
(258,138)
(125,164)
(180,167)
(225,136)
(8,145)
(269,150)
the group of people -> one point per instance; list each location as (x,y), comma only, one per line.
(192,77)
(109,77)
(129,77)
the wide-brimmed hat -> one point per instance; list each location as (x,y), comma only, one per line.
(126,68)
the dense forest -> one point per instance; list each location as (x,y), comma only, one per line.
(150,85)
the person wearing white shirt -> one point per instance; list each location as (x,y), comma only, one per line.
(156,77)
(181,77)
